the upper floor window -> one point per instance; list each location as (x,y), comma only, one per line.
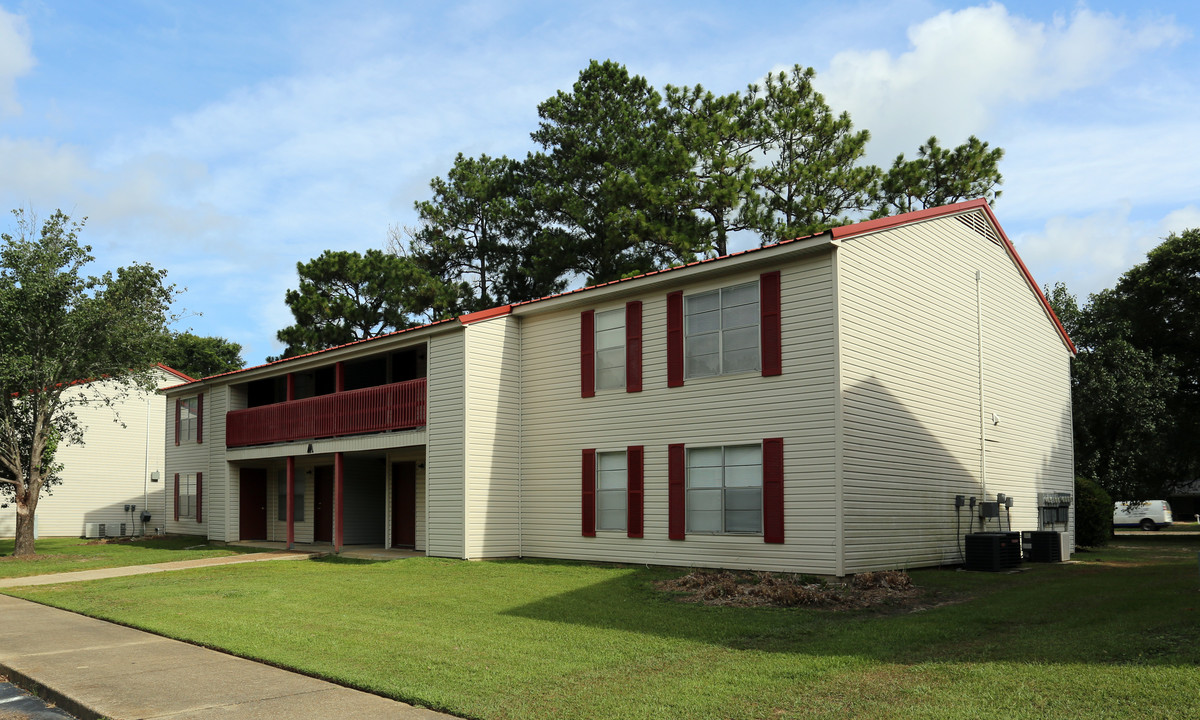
(725,489)
(610,349)
(188,420)
(721,331)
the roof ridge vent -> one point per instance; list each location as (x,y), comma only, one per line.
(977,222)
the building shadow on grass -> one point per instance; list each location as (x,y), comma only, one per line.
(1051,614)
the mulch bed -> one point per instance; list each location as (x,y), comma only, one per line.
(892,589)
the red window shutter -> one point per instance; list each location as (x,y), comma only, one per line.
(176,497)
(587,353)
(200,418)
(676,495)
(589,493)
(675,339)
(771,326)
(773,490)
(635,460)
(178,403)
(199,497)
(633,347)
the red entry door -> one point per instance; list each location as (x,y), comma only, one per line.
(404,504)
(323,504)
(252,504)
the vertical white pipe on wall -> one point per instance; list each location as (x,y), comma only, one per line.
(982,423)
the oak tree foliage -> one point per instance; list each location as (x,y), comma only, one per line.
(201,356)
(1136,379)
(68,339)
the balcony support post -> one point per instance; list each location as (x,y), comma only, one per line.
(291,387)
(291,500)
(339,377)
(338,504)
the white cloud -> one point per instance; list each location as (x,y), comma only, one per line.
(1076,168)
(16,59)
(964,67)
(1090,253)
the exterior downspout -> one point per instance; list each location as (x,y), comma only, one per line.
(982,422)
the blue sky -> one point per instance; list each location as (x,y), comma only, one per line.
(225,141)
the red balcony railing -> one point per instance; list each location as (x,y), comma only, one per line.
(386,407)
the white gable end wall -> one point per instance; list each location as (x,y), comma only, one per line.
(111,470)
(910,361)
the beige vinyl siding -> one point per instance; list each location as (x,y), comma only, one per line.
(723,410)
(111,470)
(190,457)
(910,384)
(444,454)
(492,437)
(218,501)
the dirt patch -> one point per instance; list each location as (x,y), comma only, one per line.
(890,589)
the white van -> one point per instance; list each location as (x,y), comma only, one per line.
(1148,515)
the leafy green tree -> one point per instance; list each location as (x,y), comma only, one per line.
(57,327)
(201,357)
(1126,400)
(939,176)
(1155,307)
(610,184)
(1093,514)
(479,236)
(719,134)
(346,296)
(810,178)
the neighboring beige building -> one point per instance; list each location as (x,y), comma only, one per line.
(111,472)
(810,406)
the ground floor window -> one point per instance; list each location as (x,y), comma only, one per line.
(297,491)
(725,489)
(611,490)
(187,495)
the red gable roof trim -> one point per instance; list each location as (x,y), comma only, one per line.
(887,223)
(488,314)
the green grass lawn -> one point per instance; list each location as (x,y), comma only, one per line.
(1113,636)
(58,555)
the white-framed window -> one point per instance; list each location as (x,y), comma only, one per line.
(724,489)
(610,349)
(188,419)
(612,484)
(281,499)
(187,494)
(720,331)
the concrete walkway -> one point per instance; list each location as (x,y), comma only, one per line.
(95,669)
(102,573)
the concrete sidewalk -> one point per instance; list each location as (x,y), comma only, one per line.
(102,573)
(94,669)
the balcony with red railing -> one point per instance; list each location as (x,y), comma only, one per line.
(397,406)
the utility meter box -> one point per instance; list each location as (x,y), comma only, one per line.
(989,509)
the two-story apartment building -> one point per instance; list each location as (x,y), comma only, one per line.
(814,405)
(116,474)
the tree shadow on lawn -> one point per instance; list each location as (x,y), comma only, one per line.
(1047,614)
